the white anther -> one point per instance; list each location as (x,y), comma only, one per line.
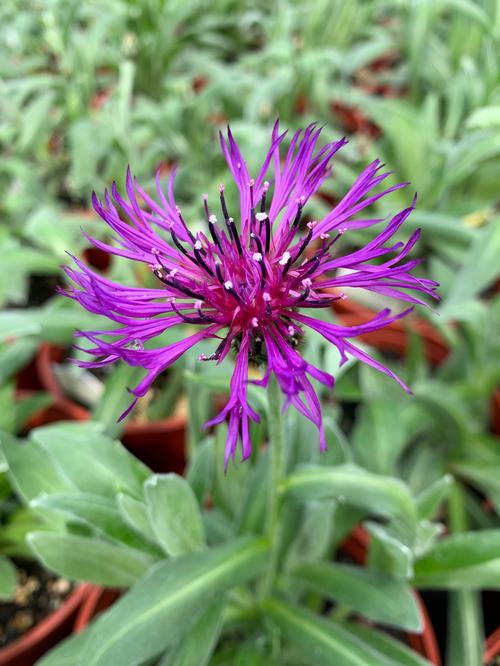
(291,330)
(306,282)
(228,285)
(156,267)
(173,273)
(255,322)
(221,188)
(312,224)
(212,219)
(266,296)
(266,185)
(205,197)
(284,259)
(198,305)
(324,236)
(202,357)
(198,245)
(172,299)
(155,250)
(260,217)
(257,256)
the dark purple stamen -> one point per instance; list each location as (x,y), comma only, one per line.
(267,222)
(180,246)
(223,204)
(296,221)
(258,242)
(213,232)
(172,282)
(263,202)
(304,295)
(314,265)
(219,273)
(305,242)
(263,270)
(231,227)
(201,262)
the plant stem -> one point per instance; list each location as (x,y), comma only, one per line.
(277,454)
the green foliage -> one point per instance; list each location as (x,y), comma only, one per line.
(88,88)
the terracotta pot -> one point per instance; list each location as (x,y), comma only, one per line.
(27,379)
(495,412)
(425,643)
(159,444)
(354,121)
(97,258)
(97,601)
(492,649)
(59,411)
(395,337)
(28,648)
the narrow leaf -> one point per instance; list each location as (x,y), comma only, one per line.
(174,514)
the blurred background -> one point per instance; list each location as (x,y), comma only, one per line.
(89,87)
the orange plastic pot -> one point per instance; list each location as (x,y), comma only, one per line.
(395,337)
(27,649)
(425,643)
(159,444)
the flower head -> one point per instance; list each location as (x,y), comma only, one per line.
(250,277)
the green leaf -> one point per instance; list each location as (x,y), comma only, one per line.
(92,461)
(377,442)
(35,119)
(65,653)
(313,536)
(312,635)
(376,596)
(198,645)
(32,470)
(163,607)
(381,495)
(201,469)
(135,513)
(387,554)
(27,406)
(465,629)
(89,559)
(480,267)
(251,517)
(396,651)
(486,116)
(469,560)
(116,398)
(15,355)
(430,499)
(8,577)
(97,512)
(174,514)
(483,474)
(14,325)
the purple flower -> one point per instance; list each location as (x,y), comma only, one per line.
(247,282)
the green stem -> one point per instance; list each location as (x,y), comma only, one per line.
(277,454)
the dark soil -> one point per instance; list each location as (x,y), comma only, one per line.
(38,593)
